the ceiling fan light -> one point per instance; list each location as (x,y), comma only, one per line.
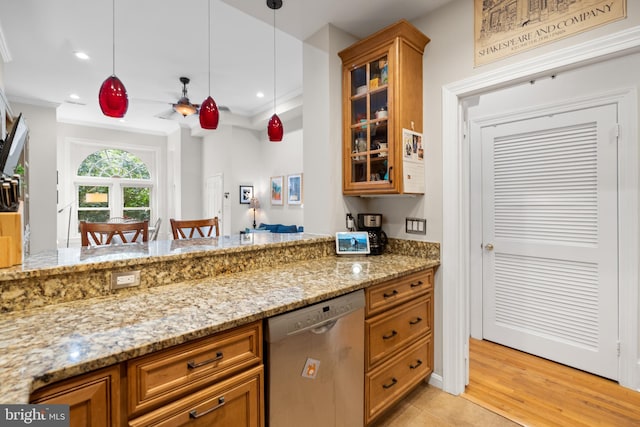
(209,114)
(113,98)
(275,130)
(185,107)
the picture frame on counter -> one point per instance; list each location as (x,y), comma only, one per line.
(277,190)
(246,194)
(294,189)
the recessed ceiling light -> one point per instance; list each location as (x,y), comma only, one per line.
(260,95)
(81,55)
(74,96)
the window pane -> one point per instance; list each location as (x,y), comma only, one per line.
(93,216)
(136,197)
(113,163)
(93,196)
(140,214)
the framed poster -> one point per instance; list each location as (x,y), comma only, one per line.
(507,27)
(277,190)
(246,194)
(294,189)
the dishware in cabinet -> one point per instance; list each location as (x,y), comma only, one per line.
(382,95)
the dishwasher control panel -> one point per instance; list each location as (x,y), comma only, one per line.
(313,316)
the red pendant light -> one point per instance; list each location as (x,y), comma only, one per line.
(113,95)
(209,114)
(113,98)
(275,130)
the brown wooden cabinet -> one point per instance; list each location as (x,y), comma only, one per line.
(93,399)
(399,340)
(216,381)
(381,96)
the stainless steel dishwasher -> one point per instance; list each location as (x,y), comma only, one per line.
(315,365)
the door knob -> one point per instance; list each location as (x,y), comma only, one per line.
(489,246)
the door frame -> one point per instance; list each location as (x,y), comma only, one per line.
(456,245)
(615,97)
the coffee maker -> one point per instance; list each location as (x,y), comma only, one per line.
(372,224)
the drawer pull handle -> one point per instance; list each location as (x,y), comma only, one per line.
(418,363)
(392,294)
(415,322)
(415,285)
(391,335)
(194,414)
(191,364)
(391,384)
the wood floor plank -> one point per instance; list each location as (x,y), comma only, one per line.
(537,392)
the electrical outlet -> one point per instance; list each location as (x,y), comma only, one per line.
(416,225)
(125,279)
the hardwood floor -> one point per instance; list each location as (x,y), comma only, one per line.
(537,392)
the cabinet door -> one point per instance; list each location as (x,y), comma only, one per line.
(368,142)
(368,133)
(236,402)
(381,96)
(93,399)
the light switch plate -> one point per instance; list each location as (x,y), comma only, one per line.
(416,225)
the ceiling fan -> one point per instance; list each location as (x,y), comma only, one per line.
(184,107)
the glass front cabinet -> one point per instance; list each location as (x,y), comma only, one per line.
(381,102)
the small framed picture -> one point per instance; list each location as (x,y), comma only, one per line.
(277,190)
(352,243)
(294,189)
(246,194)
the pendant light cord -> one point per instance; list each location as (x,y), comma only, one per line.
(113,36)
(274,60)
(209,21)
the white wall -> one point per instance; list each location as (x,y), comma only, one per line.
(448,58)
(246,157)
(42,177)
(325,207)
(191,175)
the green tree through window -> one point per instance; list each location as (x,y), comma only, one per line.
(120,186)
(113,163)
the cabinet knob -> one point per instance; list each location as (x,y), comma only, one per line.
(488,247)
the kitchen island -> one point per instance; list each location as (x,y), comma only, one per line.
(188,291)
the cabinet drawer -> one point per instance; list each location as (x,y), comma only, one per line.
(236,402)
(387,295)
(393,330)
(387,383)
(167,375)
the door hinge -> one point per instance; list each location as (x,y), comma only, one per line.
(618,348)
(616,131)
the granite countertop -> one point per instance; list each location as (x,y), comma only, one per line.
(50,343)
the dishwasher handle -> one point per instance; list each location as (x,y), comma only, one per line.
(324,328)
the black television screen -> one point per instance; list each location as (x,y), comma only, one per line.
(12,147)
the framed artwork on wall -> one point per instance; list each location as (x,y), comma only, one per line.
(294,189)
(277,190)
(246,194)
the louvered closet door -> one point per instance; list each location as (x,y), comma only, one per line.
(550,284)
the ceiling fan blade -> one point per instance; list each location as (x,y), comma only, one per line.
(168,115)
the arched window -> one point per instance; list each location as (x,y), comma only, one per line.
(111,184)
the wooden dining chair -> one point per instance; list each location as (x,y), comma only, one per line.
(105,233)
(190,229)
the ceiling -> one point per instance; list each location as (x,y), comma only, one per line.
(158,41)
